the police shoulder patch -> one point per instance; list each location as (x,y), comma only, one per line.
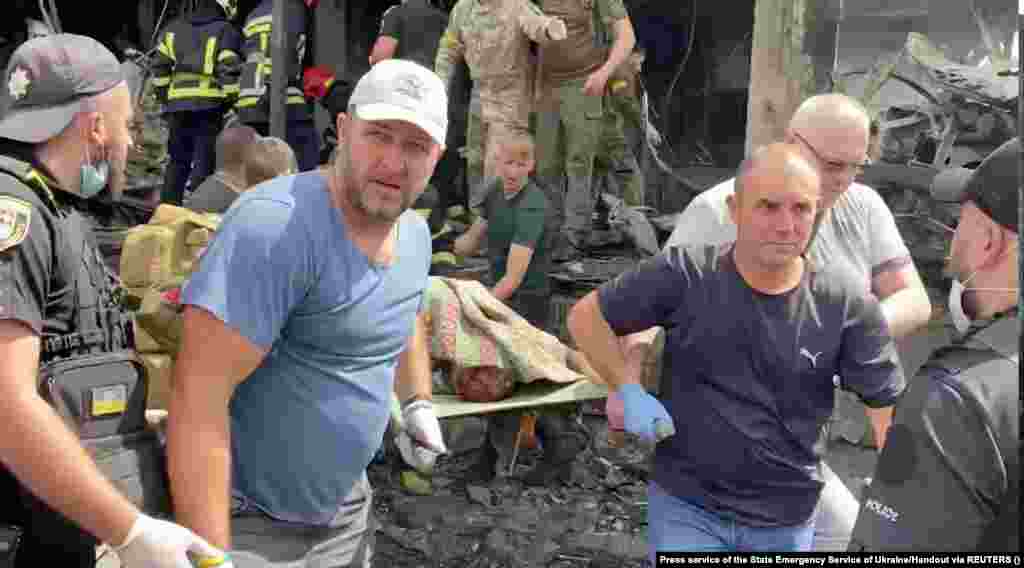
(15,216)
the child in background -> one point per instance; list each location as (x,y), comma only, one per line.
(517,221)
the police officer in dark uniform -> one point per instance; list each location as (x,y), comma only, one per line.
(253,106)
(195,75)
(67,377)
(948,478)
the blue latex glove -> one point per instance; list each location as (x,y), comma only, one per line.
(644,415)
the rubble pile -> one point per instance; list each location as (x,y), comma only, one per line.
(598,519)
(916,216)
(956,115)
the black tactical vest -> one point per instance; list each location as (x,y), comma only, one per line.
(90,372)
(983,368)
(100,323)
(976,371)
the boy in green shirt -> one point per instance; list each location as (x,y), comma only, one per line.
(518,222)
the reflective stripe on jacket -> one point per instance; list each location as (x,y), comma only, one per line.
(258,65)
(198,65)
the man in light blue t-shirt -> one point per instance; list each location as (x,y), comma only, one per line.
(299,323)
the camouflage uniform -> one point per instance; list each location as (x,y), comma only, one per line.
(615,156)
(493,37)
(474,151)
(569,123)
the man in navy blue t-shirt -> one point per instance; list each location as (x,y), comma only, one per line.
(754,334)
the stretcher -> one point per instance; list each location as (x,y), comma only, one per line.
(529,395)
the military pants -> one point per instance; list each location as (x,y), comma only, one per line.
(474,152)
(192,147)
(450,186)
(615,159)
(569,127)
(496,109)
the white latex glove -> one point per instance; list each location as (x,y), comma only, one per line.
(153,543)
(556,29)
(420,440)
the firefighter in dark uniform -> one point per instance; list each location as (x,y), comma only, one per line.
(65,339)
(253,106)
(948,478)
(195,76)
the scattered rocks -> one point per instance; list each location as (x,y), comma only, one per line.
(418,512)
(504,523)
(412,540)
(481,495)
(627,546)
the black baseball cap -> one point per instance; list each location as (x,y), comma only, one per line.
(46,80)
(993,186)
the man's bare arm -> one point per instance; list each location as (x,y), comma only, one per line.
(469,242)
(881,419)
(625,41)
(383,48)
(598,343)
(903,298)
(412,378)
(45,456)
(518,263)
(213,360)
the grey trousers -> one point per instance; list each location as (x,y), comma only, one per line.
(259,541)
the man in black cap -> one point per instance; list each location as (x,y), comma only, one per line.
(64,136)
(948,478)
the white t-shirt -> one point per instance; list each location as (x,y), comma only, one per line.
(859,229)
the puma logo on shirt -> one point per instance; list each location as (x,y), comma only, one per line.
(812,358)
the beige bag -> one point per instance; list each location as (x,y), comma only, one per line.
(162,253)
(156,259)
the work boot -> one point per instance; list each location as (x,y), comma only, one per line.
(486,467)
(502,429)
(564,439)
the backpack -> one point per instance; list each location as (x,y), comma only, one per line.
(156,259)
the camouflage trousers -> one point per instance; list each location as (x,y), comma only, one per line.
(615,160)
(492,114)
(569,127)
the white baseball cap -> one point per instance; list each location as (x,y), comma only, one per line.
(397,89)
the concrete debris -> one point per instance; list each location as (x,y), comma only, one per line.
(480,495)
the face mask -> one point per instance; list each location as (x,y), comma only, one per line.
(961,321)
(94,178)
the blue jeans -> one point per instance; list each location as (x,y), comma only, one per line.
(675,525)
